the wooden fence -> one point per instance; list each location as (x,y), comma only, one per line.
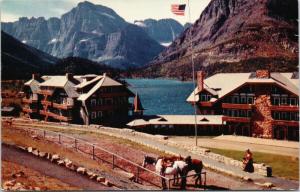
(81,145)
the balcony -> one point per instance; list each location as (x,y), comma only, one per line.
(28,110)
(62,106)
(289,108)
(46,103)
(236,106)
(111,107)
(236,119)
(121,94)
(285,123)
(29,101)
(205,104)
(45,92)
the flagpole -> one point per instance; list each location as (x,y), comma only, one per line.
(193,68)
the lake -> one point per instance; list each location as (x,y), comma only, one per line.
(163,96)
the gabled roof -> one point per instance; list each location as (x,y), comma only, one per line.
(178,120)
(105,81)
(86,83)
(60,82)
(33,84)
(54,81)
(224,83)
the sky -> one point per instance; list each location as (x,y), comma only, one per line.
(130,10)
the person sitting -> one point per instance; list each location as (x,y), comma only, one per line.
(248,162)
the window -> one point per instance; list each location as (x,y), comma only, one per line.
(250,100)
(243,99)
(275,100)
(276,115)
(100,101)
(100,114)
(274,89)
(235,99)
(283,116)
(94,115)
(108,101)
(208,97)
(93,102)
(203,97)
(292,101)
(243,113)
(283,100)
(249,113)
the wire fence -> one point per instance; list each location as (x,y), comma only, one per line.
(102,155)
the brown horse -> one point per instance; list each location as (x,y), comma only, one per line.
(196,165)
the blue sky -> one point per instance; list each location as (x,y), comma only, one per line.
(130,10)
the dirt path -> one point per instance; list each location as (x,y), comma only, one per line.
(46,168)
(234,145)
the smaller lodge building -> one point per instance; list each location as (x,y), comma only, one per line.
(81,99)
(258,104)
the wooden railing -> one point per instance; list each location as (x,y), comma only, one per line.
(285,123)
(29,110)
(62,106)
(205,104)
(291,108)
(236,119)
(45,92)
(25,100)
(121,94)
(236,106)
(46,102)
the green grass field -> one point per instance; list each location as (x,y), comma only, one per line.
(282,166)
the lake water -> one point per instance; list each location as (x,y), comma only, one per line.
(163,96)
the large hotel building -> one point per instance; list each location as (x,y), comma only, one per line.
(82,99)
(258,104)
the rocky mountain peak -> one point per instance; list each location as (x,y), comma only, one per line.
(236,35)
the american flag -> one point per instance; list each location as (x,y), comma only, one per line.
(178,9)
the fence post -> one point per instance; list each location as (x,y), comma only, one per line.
(137,174)
(59,140)
(44,134)
(113,161)
(93,152)
(75,144)
(204,180)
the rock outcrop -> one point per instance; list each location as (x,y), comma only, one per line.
(234,36)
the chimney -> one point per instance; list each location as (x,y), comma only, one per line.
(262,74)
(35,76)
(69,76)
(200,80)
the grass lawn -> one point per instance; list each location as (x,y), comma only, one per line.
(282,166)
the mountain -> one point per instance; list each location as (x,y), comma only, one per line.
(234,36)
(20,61)
(163,31)
(90,31)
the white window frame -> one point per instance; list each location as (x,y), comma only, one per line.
(93,102)
(93,115)
(100,114)
(283,101)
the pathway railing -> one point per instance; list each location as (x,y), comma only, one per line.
(81,145)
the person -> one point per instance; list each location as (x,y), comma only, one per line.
(248,162)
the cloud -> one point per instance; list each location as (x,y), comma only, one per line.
(7,17)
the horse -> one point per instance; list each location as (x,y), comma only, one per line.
(179,167)
(152,160)
(197,166)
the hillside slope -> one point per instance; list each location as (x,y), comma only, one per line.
(234,36)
